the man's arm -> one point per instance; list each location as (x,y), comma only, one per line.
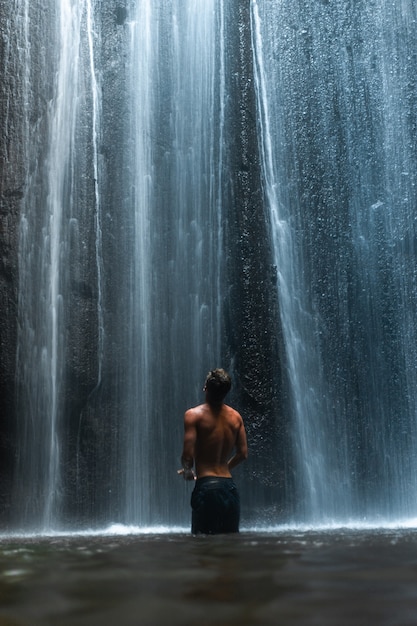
(190,436)
(241,453)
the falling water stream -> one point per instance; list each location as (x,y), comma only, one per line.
(49,224)
(125,237)
(323,470)
(337,106)
(175,272)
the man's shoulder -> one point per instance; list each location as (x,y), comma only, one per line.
(232,416)
(204,412)
(232,411)
(194,412)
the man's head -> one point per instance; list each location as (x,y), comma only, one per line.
(217,385)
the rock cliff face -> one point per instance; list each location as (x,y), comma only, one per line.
(12,179)
(253,332)
(90,430)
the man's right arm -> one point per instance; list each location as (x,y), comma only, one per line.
(190,434)
(241,453)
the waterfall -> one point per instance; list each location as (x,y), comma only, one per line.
(322,473)
(172,300)
(139,452)
(50,249)
(119,258)
(42,255)
(93,38)
(212,183)
(336,94)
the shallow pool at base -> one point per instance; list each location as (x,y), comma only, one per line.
(323,578)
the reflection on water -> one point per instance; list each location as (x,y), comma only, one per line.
(332,578)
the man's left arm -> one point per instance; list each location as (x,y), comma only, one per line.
(241,453)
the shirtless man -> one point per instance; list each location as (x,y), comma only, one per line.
(212,431)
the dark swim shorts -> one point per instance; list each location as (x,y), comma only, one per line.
(215,506)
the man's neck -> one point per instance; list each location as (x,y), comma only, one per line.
(215,405)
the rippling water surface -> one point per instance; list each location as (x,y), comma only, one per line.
(323,578)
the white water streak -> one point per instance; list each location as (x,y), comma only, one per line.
(92,37)
(62,128)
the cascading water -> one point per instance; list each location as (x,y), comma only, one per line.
(154,292)
(41,307)
(50,249)
(173,311)
(137,208)
(336,93)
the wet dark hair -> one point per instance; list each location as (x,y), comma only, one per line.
(218,384)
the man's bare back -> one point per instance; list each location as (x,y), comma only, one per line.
(211,433)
